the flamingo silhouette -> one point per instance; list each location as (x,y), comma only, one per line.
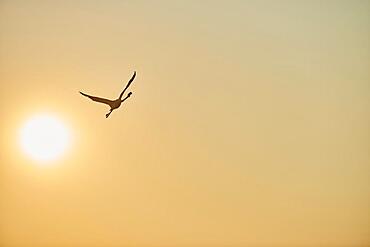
(114,104)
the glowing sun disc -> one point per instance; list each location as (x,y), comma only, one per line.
(44,138)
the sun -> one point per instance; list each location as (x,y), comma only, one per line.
(44,138)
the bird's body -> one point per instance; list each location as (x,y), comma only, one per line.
(114,104)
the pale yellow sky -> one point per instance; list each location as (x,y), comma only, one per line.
(248,124)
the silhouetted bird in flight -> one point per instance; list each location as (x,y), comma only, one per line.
(114,104)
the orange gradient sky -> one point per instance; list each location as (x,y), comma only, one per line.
(248,125)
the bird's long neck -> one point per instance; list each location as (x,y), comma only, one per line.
(125,98)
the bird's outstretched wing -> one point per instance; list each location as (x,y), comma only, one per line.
(128,84)
(97,99)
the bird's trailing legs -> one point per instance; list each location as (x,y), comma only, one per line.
(107,115)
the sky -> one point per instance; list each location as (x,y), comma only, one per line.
(249,123)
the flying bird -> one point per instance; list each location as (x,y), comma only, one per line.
(114,104)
